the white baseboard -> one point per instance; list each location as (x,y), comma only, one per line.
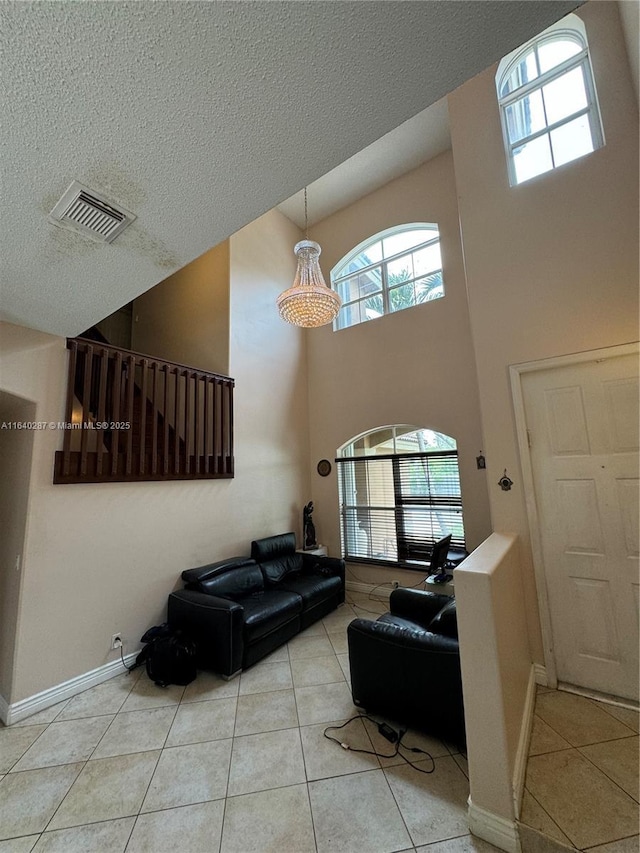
(26,707)
(491,827)
(522,753)
(541,674)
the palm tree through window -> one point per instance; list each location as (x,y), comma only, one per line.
(391,271)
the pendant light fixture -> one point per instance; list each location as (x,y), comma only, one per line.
(308,302)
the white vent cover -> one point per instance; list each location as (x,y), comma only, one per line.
(88,212)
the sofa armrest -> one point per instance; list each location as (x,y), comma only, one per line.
(211,570)
(216,626)
(417,605)
(367,634)
(313,563)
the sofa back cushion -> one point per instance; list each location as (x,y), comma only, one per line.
(445,622)
(276,556)
(235,583)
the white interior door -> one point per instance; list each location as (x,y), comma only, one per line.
(583,423)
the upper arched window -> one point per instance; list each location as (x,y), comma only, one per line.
(548,103)
(396,269)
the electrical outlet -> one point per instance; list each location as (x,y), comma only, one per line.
(116,641)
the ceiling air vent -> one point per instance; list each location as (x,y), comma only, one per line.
(89,213)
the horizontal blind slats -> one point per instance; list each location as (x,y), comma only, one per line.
(393,508)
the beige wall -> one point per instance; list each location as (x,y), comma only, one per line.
(15,464)
(630,18)
(185,318)
(103,558)
(552,265)
(413,367)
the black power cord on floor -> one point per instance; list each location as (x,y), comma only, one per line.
(128,668)
(390,734)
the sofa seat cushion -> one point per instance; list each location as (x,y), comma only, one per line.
(311,587)
(266,611)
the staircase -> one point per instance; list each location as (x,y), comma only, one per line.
(132,417)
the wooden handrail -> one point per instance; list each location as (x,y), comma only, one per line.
(150,358)
(141,417)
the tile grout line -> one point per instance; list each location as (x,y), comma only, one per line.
(595,846)
(604,772)
(553,821)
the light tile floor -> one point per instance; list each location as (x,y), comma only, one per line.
(581,787)
(243,767)
(220,766)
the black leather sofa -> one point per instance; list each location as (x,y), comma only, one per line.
(241,609)
(406,665)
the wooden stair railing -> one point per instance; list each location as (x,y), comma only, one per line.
(133,417)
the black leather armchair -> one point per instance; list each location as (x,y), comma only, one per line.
(406,665)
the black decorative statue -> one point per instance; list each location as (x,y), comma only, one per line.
(308,528)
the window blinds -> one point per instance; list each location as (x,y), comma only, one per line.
(393,508)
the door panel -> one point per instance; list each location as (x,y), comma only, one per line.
(582,531)
(583,426)
(566,421)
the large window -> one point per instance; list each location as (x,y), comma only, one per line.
(548,104)
(390,271)
(399,493)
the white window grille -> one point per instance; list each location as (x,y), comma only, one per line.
(548,103)
(396,269)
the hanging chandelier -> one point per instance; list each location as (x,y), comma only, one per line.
(308,302)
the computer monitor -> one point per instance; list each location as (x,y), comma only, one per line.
(439,558)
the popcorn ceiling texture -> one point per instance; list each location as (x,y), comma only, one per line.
(199,117)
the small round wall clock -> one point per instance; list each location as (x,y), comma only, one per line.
(324,467)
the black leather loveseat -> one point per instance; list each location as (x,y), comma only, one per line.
(239,610)
(406,665)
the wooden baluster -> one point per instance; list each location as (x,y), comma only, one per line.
(217,400)
(223,425)
(66,439)
(176,425)
(230,467)
(154,433)
(165,414)
(86,396)
(115,433)
(188,420)
(131,376)
(198,415)
(143,414)
(102,405)
(207,424)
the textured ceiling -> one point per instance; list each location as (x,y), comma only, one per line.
(201,116)
(413,142)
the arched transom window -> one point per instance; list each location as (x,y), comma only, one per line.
(388,272)
(399,493)
(548,103)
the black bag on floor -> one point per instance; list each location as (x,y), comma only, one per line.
(169,656)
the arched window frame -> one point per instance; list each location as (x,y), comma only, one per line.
(340,274)
(395,500)
(570,28)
